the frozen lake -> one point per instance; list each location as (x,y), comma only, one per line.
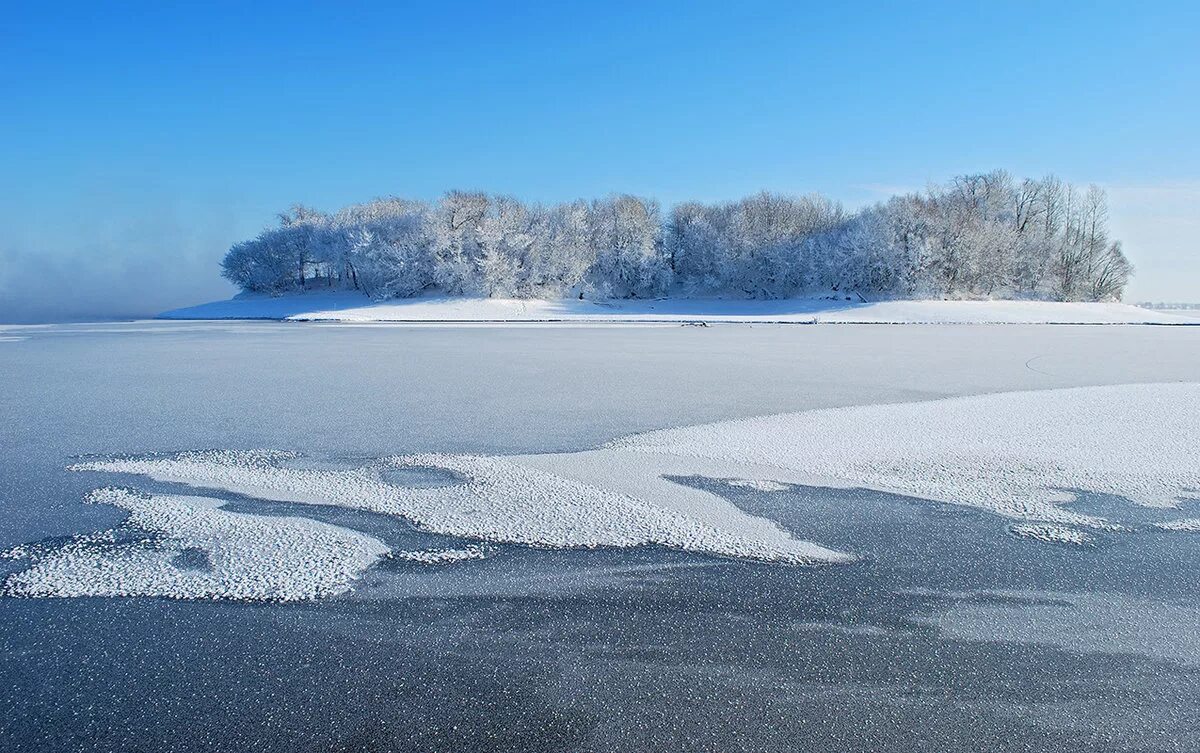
(947,631)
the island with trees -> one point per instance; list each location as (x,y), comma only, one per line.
(987,236)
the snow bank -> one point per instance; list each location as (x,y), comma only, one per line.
(1018,453)
(353,307)
(237,556)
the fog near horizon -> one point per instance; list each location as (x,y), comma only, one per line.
(115,259)
(88,286)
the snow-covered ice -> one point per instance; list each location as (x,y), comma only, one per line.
(536,500)
(1018,454)
(1191,525)
(242,556)
(354,307)
(1052,533)
(442,556)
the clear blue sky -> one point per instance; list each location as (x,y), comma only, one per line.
(143,139)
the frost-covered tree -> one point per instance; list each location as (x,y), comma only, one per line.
(456,223)
(280,258)
(507,235)
(626,233)
(748,248)
(561,253)
(382,247)
(977,236)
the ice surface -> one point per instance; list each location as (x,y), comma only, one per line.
(143,672)
(353,307)
(240,556)
(1084,622)
(758,485)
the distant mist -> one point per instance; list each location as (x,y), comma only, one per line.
(104,258)
(53,286)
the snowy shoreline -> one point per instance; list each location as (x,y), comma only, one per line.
(357,308)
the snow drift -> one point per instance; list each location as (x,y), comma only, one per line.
(355,307)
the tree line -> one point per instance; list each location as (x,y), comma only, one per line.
(977,236)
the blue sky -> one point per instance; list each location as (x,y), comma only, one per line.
(139,140)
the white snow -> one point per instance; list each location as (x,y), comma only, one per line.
(442,556)
(536,500)
(1017,453)
(354,307)
(250,557)
(13,333)
(758,485)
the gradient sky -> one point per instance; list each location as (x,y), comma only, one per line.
(138,141)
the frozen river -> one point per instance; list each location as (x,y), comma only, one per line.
(947,632)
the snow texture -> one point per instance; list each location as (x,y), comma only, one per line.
(1190,525)
(240,556)
(1018,454)
(442,556)
(536,500)
(1052,533)
(354,307)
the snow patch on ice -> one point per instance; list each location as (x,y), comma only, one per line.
(442,556)
(1052,533)
(758,485)
(1018,454)
(566,500)
(1190,525)
(1104,623)
(246,557)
